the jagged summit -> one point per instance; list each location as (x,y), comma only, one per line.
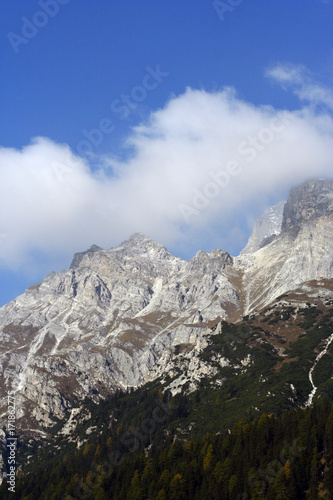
(135,241)
(140,253)
(80,255)
(140,242)
(310,200)
(267,226)
(137,246)
(303,251)
(138,238)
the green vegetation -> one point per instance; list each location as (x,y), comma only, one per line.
(241,435)
(267,457)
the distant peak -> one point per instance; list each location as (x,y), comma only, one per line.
(139,237)
(139,240)
(310,200)
(94,248)
(140,248)
(79,255)
(267,226)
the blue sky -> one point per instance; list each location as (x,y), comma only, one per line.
(118,116)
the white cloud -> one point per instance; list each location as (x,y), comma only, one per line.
(299,79)
(173,186)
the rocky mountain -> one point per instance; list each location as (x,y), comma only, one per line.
(307,202)
(301,252)
(104,323)
(267,226)
(118,318)
(245,376)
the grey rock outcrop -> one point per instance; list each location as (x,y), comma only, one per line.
(80,255)
(267,226)
(306,202)
(302,252)
(294,257)
(109,322)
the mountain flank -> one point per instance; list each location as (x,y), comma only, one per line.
(118,318)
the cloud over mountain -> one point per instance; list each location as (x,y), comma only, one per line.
(191,167)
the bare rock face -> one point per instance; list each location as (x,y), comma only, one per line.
(296,256)
(80,255)
(114,318)
(308,201)
(302,252)
(267,226)
(109,322)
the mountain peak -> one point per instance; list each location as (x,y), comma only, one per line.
(138,242)
(267,226)
(94,248)
(139,238)
(310,200)
(78,256)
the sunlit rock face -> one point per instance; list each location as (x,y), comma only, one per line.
(109,322)
(114,318)
(301,252)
